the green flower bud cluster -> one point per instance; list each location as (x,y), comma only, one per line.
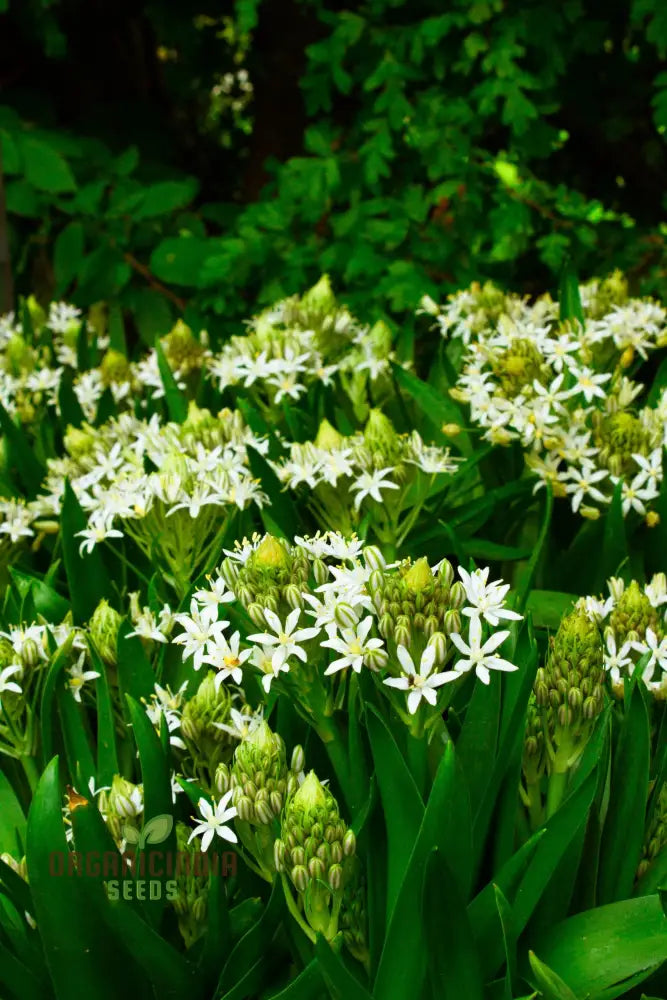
(604,295)
(353,916)
(382,446)
(274,577)
(412,600)
(656,835)
(18,357)
(209,429)
(315,851)
(191,900)
(572,681)
(519,366)
(121,806)
(260,777)
(533,746)
(619,436)
(182,350)
(115,368)
(633,614)
(206,742)
(80,441)
(103,628)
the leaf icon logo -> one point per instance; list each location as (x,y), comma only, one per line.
(156,830)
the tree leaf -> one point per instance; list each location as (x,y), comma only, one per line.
(45,168)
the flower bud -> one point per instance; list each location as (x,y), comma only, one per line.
(335,877)
(320,571)
(300,877)
(256,613)
(229,571)
(452,622)
(293,597)
(103,627)
(402,635)
(270,553)
(222,779)
(279,852)
(457,595)
(349,844)
(419,576)
(374,559)
(439,642)
(316,868)
(344,616)
(298,759)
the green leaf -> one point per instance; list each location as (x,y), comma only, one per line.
(439,409)
(527,578)
(12,827)
(509,940)
(614,542)
(135,673)
(483,909)
(282,512)
(177,404)
(547,607)
(570,300)
(453,962)
(623,833)
(545,979)
(75,944)
(53,679)
(477,742)
(401,971)
(308,985)
(600,949)
(79,755)
(561,830)
(22,459)
(157,829)
(178,260)
(68,255)
(45,168)
(86,574)
(254,942)
(165,197)
(343,981)
(402,804)
(107,757)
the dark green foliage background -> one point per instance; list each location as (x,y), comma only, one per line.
(403,149)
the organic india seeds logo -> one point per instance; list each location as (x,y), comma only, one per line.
(142,869)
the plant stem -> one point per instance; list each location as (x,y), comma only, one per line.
(294,910)
(556,791)
(31,771)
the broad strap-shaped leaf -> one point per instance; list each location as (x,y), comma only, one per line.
(402,804)
(177,404)
(597,952)
(23,461)
(550,985)
(453,962)
(623,832)
(402,970)
(107,756)
(75,942)
(86,574)
(282,513)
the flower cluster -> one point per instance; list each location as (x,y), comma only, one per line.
(633,619)
(565,391)
(400,622)
(343,477)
